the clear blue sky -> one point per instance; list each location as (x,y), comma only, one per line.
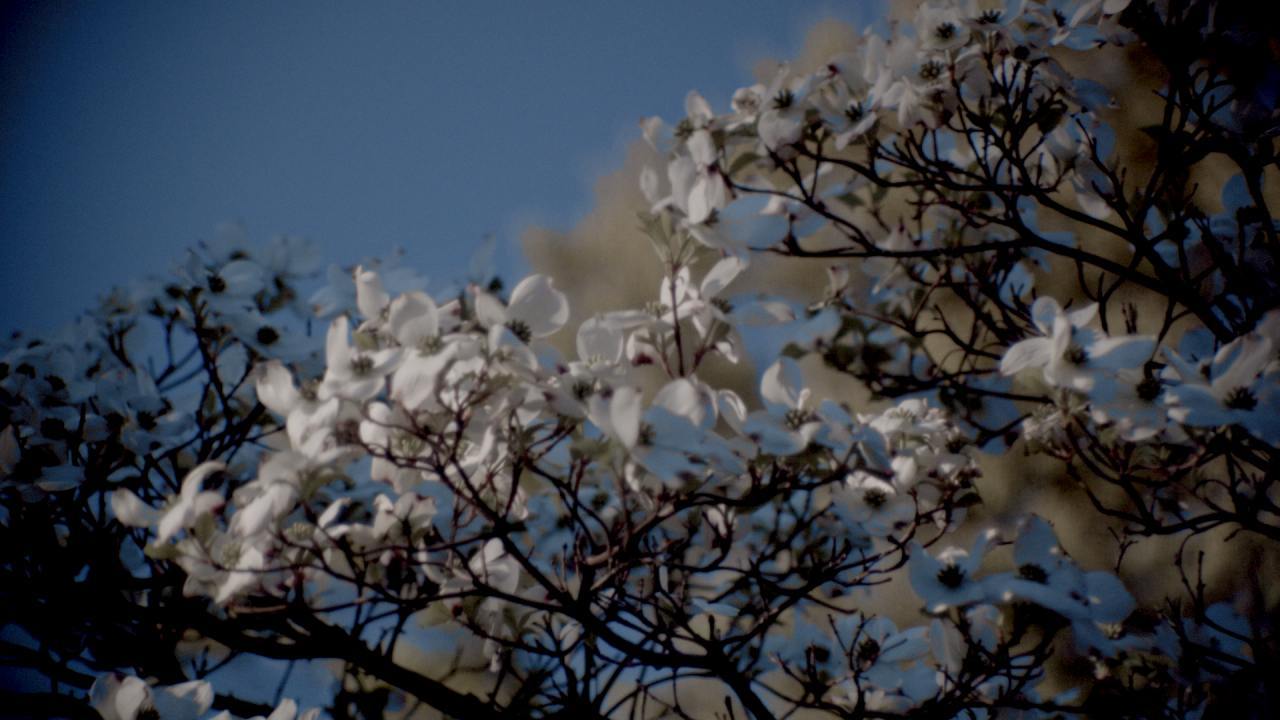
(129,130)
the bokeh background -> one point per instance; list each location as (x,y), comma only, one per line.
(130,130)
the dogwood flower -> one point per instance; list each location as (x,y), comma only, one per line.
(1229,390)
(1048,578)
(129,698)
(948,580)
(1073,356)
(536,309)
(941,26)
(353,373)
(877,506)
(886,662)
(786,425)
(184,510)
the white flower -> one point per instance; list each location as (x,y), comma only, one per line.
(747,103)
(710,312)
(781,124)
(189,506)
(1137,408)
(874,504)
(409,511)
(350,372)
(309,423)
(125,699)
(1073,356)
(666,439)
(388,433)
(1048,578)
(371,298)
(891,677)
(536,309)
(192,503)
(600,346)
(948,580)
(1231,390)
(940,25)
(786,425)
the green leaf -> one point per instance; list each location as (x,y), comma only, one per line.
(160,552)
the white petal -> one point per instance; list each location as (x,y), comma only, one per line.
(701,148)
(597,339)
(413,318)
(624,415)
(681,173)
(275,388)
(1031,353)
(649,185)
(194,481)
(102,696)
(763,312)
(731,408)
(537,303)
(699,202)
(949,646)
(371,298)
(1121,352)
(332,512)
(1252,353)
(184,701)
(287,710)
(267,507)
(489,310)
(1108,597)
(782,384)
(1043,313)
(721,274)
(337,348)
(1083,316)
(696,108)
(130,696)
(682,398)
(130,510)
(772,438)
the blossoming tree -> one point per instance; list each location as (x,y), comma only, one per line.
(192,479)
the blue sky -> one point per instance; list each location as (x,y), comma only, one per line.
(131,129)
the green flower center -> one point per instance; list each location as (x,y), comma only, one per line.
(361,365)
(868,650)
(1241,398)
(1075,354)
(931,70)
(951,576)
(1034,573)
(1148,389)
(875,497)
(520,329)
